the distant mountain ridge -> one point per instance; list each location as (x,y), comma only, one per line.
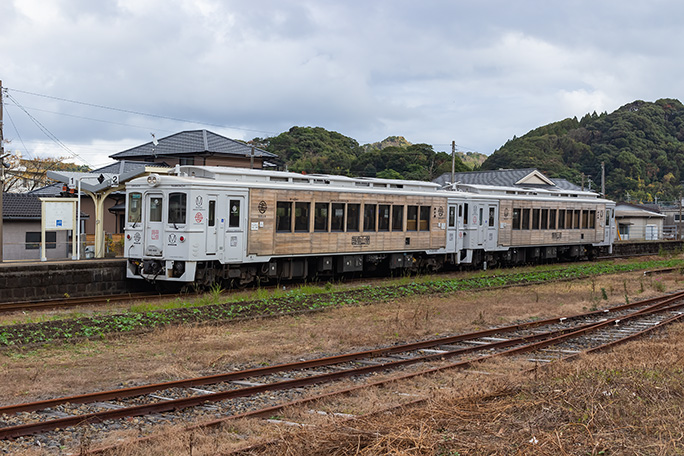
(641,144)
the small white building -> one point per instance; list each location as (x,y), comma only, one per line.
(637,223)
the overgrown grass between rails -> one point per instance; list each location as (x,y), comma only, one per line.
(297,300)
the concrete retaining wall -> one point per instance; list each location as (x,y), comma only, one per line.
(50,280)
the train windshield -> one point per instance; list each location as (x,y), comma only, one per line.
(177,207)
(134,207)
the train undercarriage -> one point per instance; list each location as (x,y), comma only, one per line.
(334,266)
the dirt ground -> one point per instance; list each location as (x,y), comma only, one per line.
(180,352)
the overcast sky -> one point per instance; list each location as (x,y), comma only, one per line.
(80,74)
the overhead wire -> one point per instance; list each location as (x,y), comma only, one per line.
(139,113)
(47,132)
(17,133)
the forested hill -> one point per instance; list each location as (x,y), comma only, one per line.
(641,143)
(317,150)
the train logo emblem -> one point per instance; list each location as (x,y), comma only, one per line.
(440,211)
(506,213)
(172,238)
(198,202)
(262,207)
(198,216)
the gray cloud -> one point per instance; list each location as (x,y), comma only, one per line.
(433,71)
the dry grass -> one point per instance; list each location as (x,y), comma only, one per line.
(627,402)
(178,352)
(468,413)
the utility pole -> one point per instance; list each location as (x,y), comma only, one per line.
(603,179)
(2,171)
(453,162)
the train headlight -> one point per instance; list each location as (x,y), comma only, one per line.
(154,179)
(182,238)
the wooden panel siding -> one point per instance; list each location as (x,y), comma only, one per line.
(267,241)
(508,237)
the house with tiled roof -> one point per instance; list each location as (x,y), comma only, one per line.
(198,147)
(511,178)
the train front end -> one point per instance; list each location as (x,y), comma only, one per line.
(158,234)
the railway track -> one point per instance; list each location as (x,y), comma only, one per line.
(66,303)
(540,341)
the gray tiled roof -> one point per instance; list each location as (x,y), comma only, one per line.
(124,166)
(500,178)
(20,206)
(27,206)
(193,142)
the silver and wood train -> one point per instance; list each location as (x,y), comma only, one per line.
(206,224)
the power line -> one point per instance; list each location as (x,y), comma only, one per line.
(47,132)
(139,113)
(91,118)
(18,135)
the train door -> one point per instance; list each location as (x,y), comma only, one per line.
(452,228)
(491,222)
(235,228)
(609,227)
(481,228)
(211,225)
(153,224)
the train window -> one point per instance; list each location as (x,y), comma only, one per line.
(481,217)
(492,212)
(156,209)
(134,207)
(321,216)
(337,219)
(384,217)
(561,219)
(211,216)
(424,218)
(397,218)
(177,207)
(234,214)
(592,219)
(585,219)
(544,221)
(302,216)
(452,216)
(535,219)
(525,225)
(369,212)
(353,217)
(576,219)
(411,218)
(465,214)
(283,216)
(516,218)
(552,219)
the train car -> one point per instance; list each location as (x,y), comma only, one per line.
(530,224)
(205,224)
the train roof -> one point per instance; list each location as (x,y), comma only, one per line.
(260,176)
